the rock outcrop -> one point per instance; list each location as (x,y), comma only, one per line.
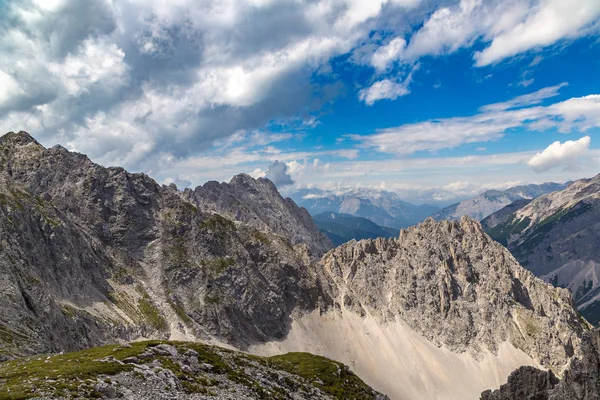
(179,370)
(90,254)
(555,237)
(581,381)
(524,383)
(458,288)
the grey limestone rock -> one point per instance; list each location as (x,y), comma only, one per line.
(458,288)
(556,236)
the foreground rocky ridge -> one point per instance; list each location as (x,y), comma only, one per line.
(94,255)
(179,370)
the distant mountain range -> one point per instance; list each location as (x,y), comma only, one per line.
(556,236)
(341,228)
(382,207)
(491,201)
(387,209)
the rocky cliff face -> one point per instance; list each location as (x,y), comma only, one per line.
(90,255)
(257,202)
(555,237)
(443,311)
(581,381)
(458,288)
(106,254)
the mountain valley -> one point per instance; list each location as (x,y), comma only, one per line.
(93,256)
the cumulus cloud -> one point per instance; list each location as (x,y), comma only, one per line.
(278,174)
(384,89)
(128,80)
(389,53)
(387,89)
(96,62)
(149,84)
(568,154)
(579,114)
(541,26)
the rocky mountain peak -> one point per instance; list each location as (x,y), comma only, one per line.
(115,255)
(245,180)
(20,138)
(457,287)
(258,203)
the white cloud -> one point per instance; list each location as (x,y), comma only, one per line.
(536,60)
(568,154)
(50,5)
(384,89)
(580,114)
(127,79)
(544,25)
(278,174)
(385,55)
(507,27)
(96,63)
(387,89)
(526,99)
(9,88)
(526,82)
(257,173)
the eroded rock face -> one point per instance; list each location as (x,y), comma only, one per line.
(458,288)
(555,236)
(257,203)
(581,381)
(109,254)
(524,383)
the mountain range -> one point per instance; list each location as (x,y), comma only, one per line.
(556,236)
(386,209)
(491,201)
(382,207)
(341,228)
(93,256)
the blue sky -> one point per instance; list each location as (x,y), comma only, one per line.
(436,100)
